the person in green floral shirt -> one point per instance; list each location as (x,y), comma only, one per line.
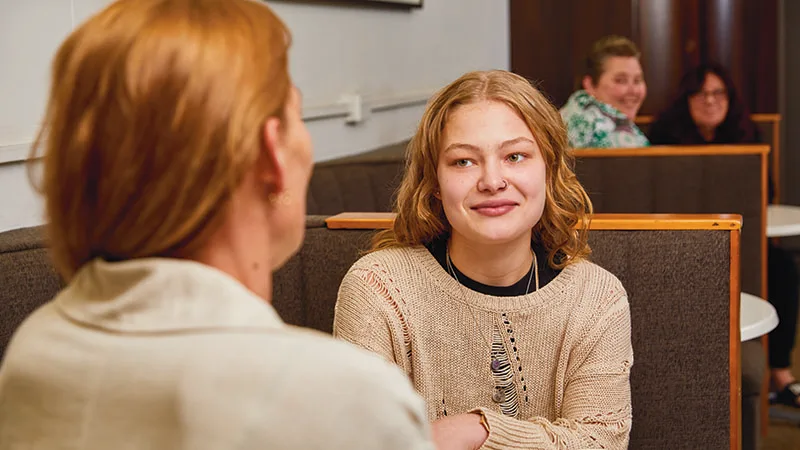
(602,113)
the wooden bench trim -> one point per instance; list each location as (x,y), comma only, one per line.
(775,119)
(758,117)
(735,343)
(765,117)
(373,220)
(361,221)
(764,202)
(666,222)
(673,150)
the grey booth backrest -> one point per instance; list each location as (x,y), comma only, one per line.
(697,184)
(680,315)
(364,182)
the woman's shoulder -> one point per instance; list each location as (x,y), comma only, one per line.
(579,104)
(382,273)
(590,269)
(598,298)
(597,284)
(309,366)
(395,259)
(590,123)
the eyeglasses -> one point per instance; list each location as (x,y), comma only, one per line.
(716,95)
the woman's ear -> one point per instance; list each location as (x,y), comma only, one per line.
(270,164)
(587,84)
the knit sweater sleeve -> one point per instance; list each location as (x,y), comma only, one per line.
(596,408)
(369,314)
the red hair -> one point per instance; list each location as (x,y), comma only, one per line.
(155,114)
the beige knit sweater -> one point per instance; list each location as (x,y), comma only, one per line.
(564,351)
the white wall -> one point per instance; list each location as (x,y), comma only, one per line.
(29,34)
(388,56)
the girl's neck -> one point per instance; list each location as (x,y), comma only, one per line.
(492,264)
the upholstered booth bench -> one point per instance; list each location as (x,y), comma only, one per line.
(685,322)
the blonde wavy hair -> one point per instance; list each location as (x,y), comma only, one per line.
(563,227)
(155,115)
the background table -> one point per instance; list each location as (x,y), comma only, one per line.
(783,220)
(757,317)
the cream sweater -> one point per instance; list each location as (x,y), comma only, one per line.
(162,354)
(564,351)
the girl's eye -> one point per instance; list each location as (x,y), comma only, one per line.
(516,157)
(463,163)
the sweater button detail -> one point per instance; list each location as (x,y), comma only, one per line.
(495,364)
(497,396)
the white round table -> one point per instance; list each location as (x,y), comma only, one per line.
(757,317)
(783,220)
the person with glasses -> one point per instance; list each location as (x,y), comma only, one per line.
(709,110)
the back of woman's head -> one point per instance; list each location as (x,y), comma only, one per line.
(604,48)
(420,215)
(736,127)
(154,116)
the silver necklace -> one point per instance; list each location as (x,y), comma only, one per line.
(497,395)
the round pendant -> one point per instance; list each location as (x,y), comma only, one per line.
(497,395)
(495,364)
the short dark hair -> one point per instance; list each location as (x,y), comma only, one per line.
(605,48)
